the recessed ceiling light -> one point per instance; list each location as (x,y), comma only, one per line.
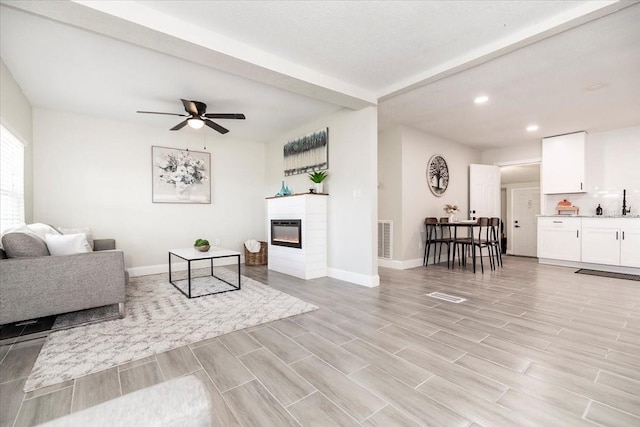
(532,128)
(595,87)
(481,99)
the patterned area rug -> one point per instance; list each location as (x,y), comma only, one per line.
(609,274)
(159,318)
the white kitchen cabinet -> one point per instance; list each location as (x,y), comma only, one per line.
(559,238)
(601,241)
(630,243)
(611,241)
(563,164)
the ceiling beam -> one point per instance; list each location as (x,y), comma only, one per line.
(137,24)
(586,12)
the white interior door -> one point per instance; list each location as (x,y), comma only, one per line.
(524,230)
(484,191)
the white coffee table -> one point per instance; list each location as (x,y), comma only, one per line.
(190,254)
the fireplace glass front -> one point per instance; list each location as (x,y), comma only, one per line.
(286,232)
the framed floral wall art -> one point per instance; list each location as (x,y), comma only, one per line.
(180,176)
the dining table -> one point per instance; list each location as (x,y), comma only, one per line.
(465,223)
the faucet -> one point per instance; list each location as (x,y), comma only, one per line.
(625,210)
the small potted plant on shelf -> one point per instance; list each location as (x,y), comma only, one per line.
(317,178)
(202,245)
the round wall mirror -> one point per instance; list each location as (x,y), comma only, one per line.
(438,175)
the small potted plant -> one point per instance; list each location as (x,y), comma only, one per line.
(202,245)
(317,178)
(452,210)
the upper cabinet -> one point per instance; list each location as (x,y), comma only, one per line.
(563,164)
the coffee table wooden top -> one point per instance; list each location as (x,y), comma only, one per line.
(191,254)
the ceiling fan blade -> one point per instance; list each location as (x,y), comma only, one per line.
(237,116)
(215,126)
(179,125)
(190,107)
(166,114)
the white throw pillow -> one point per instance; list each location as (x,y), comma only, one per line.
(67,244)
(85,230)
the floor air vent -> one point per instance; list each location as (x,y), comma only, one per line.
(446,297)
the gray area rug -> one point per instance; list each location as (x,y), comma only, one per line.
(609,274)
(159,318)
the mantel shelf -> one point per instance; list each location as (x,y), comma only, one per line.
(297,194)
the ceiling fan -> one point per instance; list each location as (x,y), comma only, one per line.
(198,116)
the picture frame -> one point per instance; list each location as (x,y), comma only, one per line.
(307,154)
(438,175)
(180,176)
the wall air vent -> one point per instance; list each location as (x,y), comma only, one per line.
(385,239)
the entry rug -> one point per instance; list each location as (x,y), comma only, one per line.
(609,274)
(159,318)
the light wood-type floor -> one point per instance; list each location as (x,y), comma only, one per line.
(532,345)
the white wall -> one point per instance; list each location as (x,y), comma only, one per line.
(417,200)
(390,182)
(96,172)
(404,153)
(523,153)
(16,116)
(352,181)
(611,166)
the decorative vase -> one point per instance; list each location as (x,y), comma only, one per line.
(452,217)
(183,191)
(319,187)
(204,248)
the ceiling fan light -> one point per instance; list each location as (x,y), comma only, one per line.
(195,123)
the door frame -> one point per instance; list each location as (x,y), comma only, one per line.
(523,162)
(510,210)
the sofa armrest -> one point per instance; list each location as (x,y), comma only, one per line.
(43,286)
(104,244)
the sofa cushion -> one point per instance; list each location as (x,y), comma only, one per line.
(67,244)
(21,245)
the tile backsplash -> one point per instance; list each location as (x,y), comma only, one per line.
(610,200)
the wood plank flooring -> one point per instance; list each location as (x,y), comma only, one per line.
(533,345)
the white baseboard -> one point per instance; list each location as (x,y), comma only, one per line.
(402,265)
(179,266)
(357,278)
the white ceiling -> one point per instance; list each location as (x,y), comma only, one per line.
(284,63)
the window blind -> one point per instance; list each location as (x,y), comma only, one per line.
(11,180)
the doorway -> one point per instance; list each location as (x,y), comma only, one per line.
(520,207)
(526,207)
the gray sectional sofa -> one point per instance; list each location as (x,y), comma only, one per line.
(35,284)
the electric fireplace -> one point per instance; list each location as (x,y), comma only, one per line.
(286,232)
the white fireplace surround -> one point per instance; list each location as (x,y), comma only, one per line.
(310,261)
